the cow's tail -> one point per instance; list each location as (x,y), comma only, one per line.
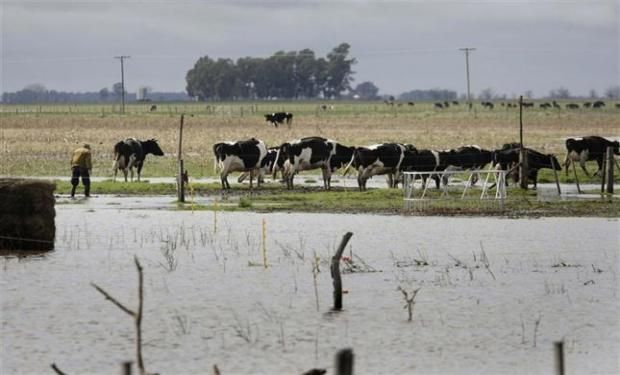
(273,171)
(216,159)
(346,169)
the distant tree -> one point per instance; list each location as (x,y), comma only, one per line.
(339,73)
(366,90)
(433,94)
(560,93)
(486,94)
(613,92)
(117,89)
(104,94)
(593,94)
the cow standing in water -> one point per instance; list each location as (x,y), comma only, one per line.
(243,156)
(131,153)
(508,157)
(385,158)
(305,154)
(588,148)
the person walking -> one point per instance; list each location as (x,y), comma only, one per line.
(81,165)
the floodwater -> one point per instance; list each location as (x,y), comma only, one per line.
(210,300)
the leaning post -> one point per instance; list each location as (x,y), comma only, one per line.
(335,271)
(610,170)
(180,182)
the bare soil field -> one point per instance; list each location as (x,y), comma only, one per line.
(38,140)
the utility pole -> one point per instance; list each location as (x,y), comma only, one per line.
(467,67)
(122,58)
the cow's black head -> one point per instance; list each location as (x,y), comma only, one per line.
(151,147)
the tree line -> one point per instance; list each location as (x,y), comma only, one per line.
(284,75)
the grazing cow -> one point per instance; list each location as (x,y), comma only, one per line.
(279,118)
(439,105)
(464,158)
(131,153)
(454,102)
(244,156)
(555,105)
(598,104)
(377,159)
(508,157)
(528,104)
(415,160)
(411,104)
(305,154)
(588,148)
(572,106)
(587,105)
(153,108)
(545,105)
(267,165)
(488,105)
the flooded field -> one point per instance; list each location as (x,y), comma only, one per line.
(495,293)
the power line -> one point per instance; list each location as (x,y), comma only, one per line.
(467,49)
(122,58)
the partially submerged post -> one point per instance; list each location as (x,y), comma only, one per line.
(344,362)
(558,347)
(335,271)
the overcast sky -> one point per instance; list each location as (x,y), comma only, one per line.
(536,45)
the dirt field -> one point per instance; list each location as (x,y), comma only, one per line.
(38,140)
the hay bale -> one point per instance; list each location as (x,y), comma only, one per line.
(27,214)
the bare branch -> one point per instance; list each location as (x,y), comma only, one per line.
(113,300)
(57,370)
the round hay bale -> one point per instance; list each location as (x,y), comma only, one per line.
(27,214)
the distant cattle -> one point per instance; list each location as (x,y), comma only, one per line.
(488,105)
(305,154)
(572,106)
(587,104)
(277,118)
(588,148)
(508,159)
(131,153)
(598,104)
(411,104)
(528,104)
(377,159)
(439,105)
(555,104)
(454,102)
(153,108)
(240,156)
(545,105)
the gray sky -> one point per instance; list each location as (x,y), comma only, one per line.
(521,45)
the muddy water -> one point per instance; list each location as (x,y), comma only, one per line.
(211,301)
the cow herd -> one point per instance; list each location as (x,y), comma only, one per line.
(252,157)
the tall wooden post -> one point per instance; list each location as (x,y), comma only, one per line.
(555,174)
(610,170)
(604,172)
(180,182)
(522,153)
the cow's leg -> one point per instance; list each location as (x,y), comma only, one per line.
(599,161)
(583,157)
(567,161)
(125,172)
(251,178)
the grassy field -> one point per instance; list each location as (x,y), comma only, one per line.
(38,140)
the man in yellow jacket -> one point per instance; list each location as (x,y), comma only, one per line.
(81,164)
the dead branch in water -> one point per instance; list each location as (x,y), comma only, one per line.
(137,315)
(57,370)
(410,301)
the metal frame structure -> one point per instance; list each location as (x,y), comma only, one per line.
(417,195)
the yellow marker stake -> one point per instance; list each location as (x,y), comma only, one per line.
(264,243)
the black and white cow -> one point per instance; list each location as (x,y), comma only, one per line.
(465,158)
(131,153)
(244,156)
(508,158)
(279,118)
(422,161)
(267,165)
(588,148)
(385,158)
(305,154)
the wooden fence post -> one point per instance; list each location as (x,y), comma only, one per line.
(523,168)
(555,174)
(559,357)
(344,362)
(335,271)
(180,182)
(127,367)
(610,170)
